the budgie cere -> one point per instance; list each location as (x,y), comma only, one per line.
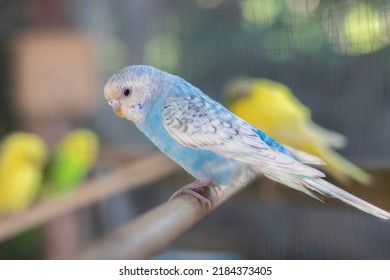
(208,141)
(273,108)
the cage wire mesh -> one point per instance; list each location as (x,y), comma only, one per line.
(334,55)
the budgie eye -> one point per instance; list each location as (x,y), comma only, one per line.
(127,91)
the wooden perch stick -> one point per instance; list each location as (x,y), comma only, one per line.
(133,175)
(154,231)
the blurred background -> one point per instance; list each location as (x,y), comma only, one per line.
(55,57)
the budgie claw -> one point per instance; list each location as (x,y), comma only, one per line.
(219,190)
(193,189)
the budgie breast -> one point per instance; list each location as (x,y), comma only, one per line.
(202,164)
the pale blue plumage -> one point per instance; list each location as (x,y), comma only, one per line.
(207,140)
(203,164)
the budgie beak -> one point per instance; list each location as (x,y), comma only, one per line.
(119,112)
(116,106)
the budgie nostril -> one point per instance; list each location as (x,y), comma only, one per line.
(114,103)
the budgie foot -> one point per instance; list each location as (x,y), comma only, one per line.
(194,189)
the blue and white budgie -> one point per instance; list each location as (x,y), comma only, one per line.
(210,142)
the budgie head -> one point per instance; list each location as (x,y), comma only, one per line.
(24,148)
(82,144)
(263,88)
(237,89)
(266,94)
(131,90)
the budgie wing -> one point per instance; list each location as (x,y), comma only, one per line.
(194,120)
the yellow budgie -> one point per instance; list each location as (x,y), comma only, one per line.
(271,107)
(22,159)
